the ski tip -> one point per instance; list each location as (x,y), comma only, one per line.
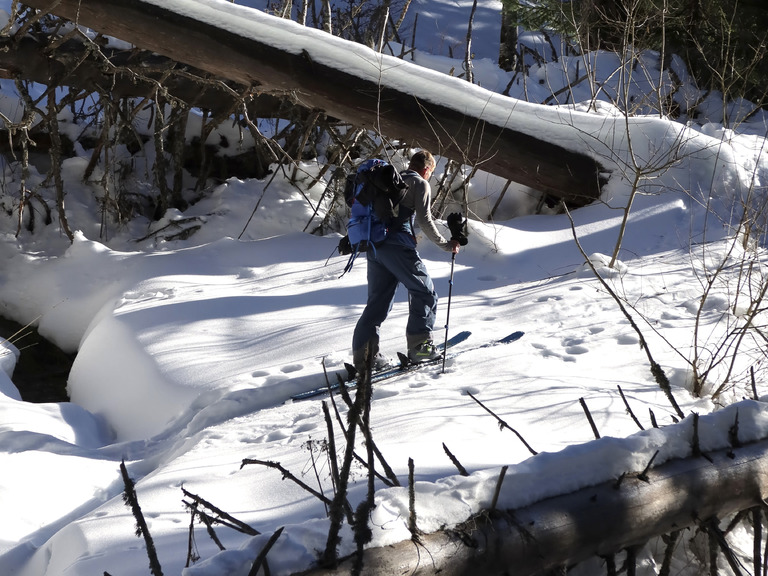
(404,360)
(512,337)
(455,339)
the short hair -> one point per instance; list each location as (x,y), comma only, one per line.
(421,160)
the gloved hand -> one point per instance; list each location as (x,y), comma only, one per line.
(456,223)
(345,248)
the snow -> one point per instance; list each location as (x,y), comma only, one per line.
(188,351)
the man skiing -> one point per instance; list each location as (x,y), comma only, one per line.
(396,261)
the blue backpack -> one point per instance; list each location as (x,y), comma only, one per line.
(372,194)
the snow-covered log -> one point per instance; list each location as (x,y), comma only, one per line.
(348,81)
(599,520)
(76,65)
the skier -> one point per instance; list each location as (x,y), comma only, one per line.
(396,261)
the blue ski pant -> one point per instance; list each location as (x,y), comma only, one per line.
(389,265)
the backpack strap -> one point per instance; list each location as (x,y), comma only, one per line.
(350,262)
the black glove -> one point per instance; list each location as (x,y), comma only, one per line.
(456,225)
(345,248)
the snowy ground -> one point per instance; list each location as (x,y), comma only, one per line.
(189,352)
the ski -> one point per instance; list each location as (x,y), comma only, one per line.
(406,365)
(383,374)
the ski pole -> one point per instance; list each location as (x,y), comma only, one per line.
(448,311)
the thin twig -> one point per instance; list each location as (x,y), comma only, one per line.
(757,546)
(644,474)
(459,467)
(754,386)
(499,482)
(208,521)
(390,479)
(129,495)
(262,557)
(412,523)
(503,424)
(629,410)
(310,448)
(695,448)
(733,432)
(331,445)
(229,520)
(286,474)
(589,418)
(717,536)
(192,556)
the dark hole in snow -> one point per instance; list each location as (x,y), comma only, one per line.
(42,369)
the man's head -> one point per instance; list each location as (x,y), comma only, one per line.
(423,163)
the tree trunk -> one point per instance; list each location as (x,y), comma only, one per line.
(367,97)
(73,65)
(509,56)
(600,520)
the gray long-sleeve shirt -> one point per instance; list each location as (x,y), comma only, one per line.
(418,198)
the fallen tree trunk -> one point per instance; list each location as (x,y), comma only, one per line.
(296,65)
(600,520)
(127,74)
